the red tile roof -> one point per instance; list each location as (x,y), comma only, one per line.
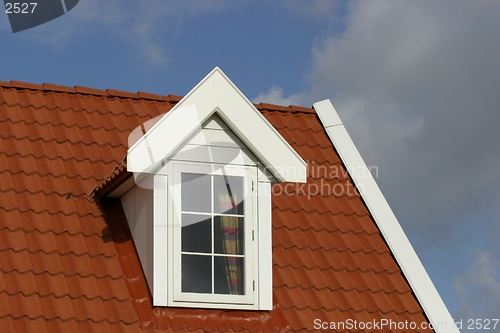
(68,264)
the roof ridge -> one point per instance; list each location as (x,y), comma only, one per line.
(73,109)
(140,95)
(109,92)
(290,108)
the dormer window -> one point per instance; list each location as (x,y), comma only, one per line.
(200,208)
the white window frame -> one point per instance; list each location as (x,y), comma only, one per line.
(175,296)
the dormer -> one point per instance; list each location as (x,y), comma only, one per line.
(199,205)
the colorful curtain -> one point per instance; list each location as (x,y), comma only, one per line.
(232,232)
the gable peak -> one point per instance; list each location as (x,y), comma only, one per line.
(217,94)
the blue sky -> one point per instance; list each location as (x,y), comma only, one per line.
(416,84)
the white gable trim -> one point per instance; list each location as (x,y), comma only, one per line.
(216,93)
(265,252)
(163,139)
(405,255)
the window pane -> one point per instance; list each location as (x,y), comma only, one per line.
(196,190)
(228,235)
(196,274)
(196,233)
(228,195)
(220,281)
(229,276)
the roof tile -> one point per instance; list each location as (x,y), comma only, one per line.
(119,93)
(90,91)
(274,107)
(49,242)
(58,88)
(146,95)
(174,98)
(296,108)
(55,264)
(25,85)
(59,286)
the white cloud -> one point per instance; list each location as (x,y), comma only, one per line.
(315,8)
(416,84)
(276,95)
(479,289)
(147,26)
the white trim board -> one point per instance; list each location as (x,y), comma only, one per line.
(405,255)
(217,94)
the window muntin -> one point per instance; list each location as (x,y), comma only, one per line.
(212,229)
(214,210)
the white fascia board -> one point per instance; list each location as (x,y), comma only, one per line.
(405,255)
(216,93)
(123,188)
